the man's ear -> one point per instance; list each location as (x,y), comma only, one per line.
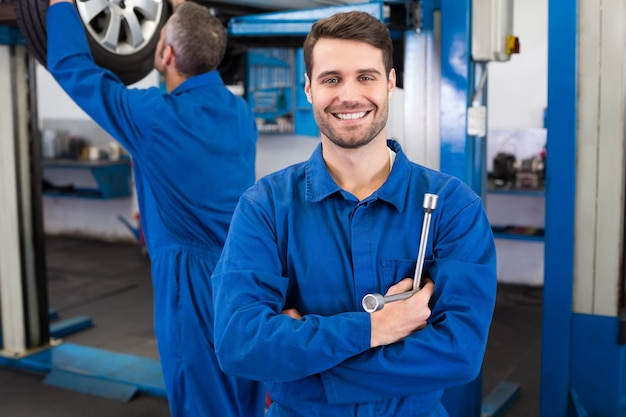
(307,88)
(392,83)
(168,55)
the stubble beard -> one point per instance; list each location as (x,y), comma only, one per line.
(353,137)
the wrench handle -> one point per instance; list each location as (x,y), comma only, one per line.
(417,277)
(374,301)
(430,204)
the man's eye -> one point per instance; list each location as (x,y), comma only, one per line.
(331,81)
(367,78)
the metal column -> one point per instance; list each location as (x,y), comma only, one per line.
(422,80)
(23,292)
(584,352)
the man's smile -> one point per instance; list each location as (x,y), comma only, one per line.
(350,116)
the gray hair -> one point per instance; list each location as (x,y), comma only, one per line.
(197,37)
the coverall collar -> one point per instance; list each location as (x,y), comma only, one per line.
(320,184)
(208,78)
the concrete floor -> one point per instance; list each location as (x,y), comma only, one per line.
(110,283)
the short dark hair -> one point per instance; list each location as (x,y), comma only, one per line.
(197,37)
(355,26)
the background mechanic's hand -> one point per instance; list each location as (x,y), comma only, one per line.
(175,3)
(52,2)
(399,319)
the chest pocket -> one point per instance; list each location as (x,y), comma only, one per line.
(395,270)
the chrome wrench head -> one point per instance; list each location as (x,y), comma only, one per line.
(430,202)
(373,302)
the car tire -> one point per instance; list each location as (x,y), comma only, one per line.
(130,59)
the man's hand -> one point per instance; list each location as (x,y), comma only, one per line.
(53,2)
(399,319)
(175,3)
(293,313)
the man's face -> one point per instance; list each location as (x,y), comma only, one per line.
(349,91)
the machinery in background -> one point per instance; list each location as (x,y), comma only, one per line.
(531,172)
(528,173)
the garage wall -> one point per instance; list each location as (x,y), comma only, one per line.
(95,218)
(518,89)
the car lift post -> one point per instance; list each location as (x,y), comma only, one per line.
(25,332)
(23,292)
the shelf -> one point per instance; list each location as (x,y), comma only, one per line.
(510,189)
(539,192)
(80,164)
(262,60)
(109,179)
(518,233)
(269,80)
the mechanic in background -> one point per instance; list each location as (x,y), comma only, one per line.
(193,153)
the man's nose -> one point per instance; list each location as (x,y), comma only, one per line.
(349,91)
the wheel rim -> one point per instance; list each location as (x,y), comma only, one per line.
(122,27)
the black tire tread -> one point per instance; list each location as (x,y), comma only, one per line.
(31,19)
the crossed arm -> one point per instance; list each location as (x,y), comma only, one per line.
(398,320)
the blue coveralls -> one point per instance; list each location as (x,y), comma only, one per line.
(298,240)
(193,155)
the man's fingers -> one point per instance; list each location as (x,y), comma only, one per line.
(428,287)
(403,286)
(53,2)
(293,313)
(403,317)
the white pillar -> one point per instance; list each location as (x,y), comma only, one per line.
(600,186)
(420,136)
(23,298)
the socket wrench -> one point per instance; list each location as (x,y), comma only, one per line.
(374,301)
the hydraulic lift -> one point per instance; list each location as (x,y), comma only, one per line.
(27,340)
(23,295)
(583,370)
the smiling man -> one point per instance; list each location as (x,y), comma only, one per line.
(308,242)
